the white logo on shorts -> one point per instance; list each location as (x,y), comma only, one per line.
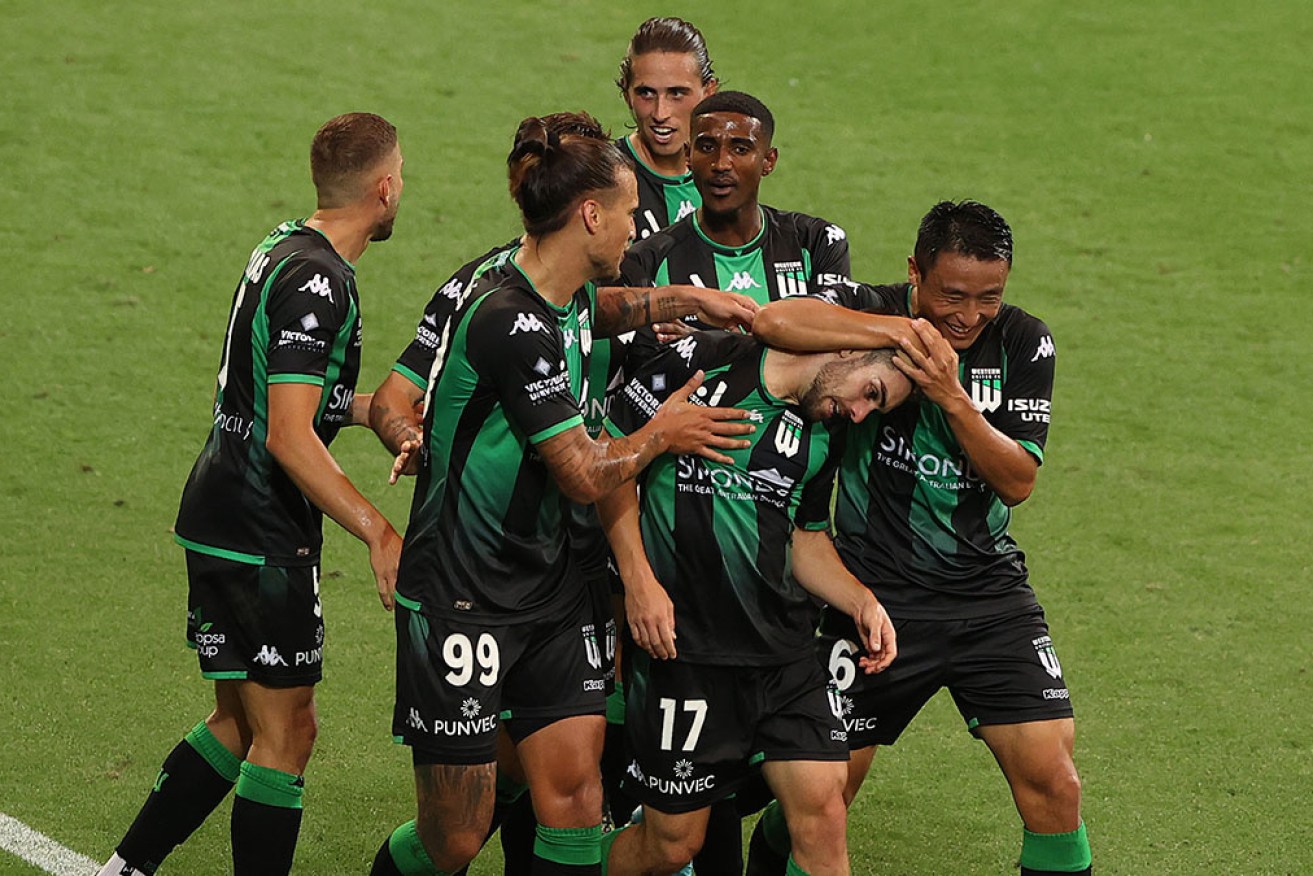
(269,656)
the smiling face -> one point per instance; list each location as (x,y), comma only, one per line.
(854,384)
(730,154)
(959,295)
(663,89)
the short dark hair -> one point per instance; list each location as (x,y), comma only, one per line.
(555,161)
(968,228)
(674,35)
(344,149)
(737,102)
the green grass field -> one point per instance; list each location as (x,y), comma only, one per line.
(1155,161)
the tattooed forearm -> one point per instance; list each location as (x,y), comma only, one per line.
(586,470)
(398,429)
(621,308)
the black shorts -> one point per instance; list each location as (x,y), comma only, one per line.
(697,732)
(599,586)
(458,680)
(999,670)
(255,623)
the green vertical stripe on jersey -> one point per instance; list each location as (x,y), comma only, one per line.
(337,358)
(932,508)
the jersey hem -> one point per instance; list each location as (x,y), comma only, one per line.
(221,553)
(311,379)
(410,375)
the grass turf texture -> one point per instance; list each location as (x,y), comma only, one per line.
(1153,160)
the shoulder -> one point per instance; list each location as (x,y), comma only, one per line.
(1018,325)
(812,230)
(659,243)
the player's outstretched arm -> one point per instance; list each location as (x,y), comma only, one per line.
(810,325)
(624,308)
(394,412)
(1000,461)
(650,613)
(586,470)
(817,567)
(293,443)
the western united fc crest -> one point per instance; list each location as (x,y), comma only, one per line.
(986,388)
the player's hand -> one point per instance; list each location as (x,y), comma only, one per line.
(727,310)
(877,634)
(697,429)
(385,557)
(651,617)
(407,461)
(669,332)
(931,365)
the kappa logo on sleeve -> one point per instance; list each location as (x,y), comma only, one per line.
(834,234)
(452,289)
(318,285)
(526,322)
(1046,350)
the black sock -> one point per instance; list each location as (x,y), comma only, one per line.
(722,850)
(764,859)
(194,779)
(518,831)
(266,821)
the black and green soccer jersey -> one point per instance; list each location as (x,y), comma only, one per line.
(295,319)
(416,361)
(793,255)
(486,539)
(718,536)
(661,199)
(912,519)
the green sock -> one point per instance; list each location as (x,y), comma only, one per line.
(775,829)
(223,760)
(409,854)
(270,786)
(569,848)
(1055,852)
(794,869)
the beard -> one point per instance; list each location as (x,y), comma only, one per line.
(815,402)
(383,230)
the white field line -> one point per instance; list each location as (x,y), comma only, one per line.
(41,851)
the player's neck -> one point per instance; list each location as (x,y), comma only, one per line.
(344,230)
(788,375)
(666,165)
(738,228)
(556,268)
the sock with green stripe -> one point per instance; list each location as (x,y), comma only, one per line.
(403,854)
(265,821)
(768,850)
(1043,854)
(194,779)
(567,851)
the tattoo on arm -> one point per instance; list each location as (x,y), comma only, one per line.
(586,470)
(623,308)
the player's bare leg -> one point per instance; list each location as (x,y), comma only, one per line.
(1036,758)
(561,764)
(810,794)
(662,843)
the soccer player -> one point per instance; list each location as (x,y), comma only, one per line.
(665,73)
(922,518)
(719,592)
(250,517)
(492,619)
(733,242)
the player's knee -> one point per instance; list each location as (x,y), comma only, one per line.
(671,851)
(822,828)
(1062,787)
(576,800)
(448,849)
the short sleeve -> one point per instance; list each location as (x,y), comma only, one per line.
(517,349)
(307,307)
(1027,385)
(831,263)
(813,512)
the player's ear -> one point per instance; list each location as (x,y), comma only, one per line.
(591,212)
(772,156)
(710,88)
(913,271)
(384,187)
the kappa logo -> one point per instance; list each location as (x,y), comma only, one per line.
(685,207)
(1045,350)
(1047,656)
(526,322)
(986,388)
(255,267)
(452,289)
(415,722)
(568,337)
(742,280)
(269,656)
(685,347)
(834,234)
(318,285)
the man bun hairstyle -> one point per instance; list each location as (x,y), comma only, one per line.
(968,228)
(344,150)
(673,35)
(740,103)
(554,162)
